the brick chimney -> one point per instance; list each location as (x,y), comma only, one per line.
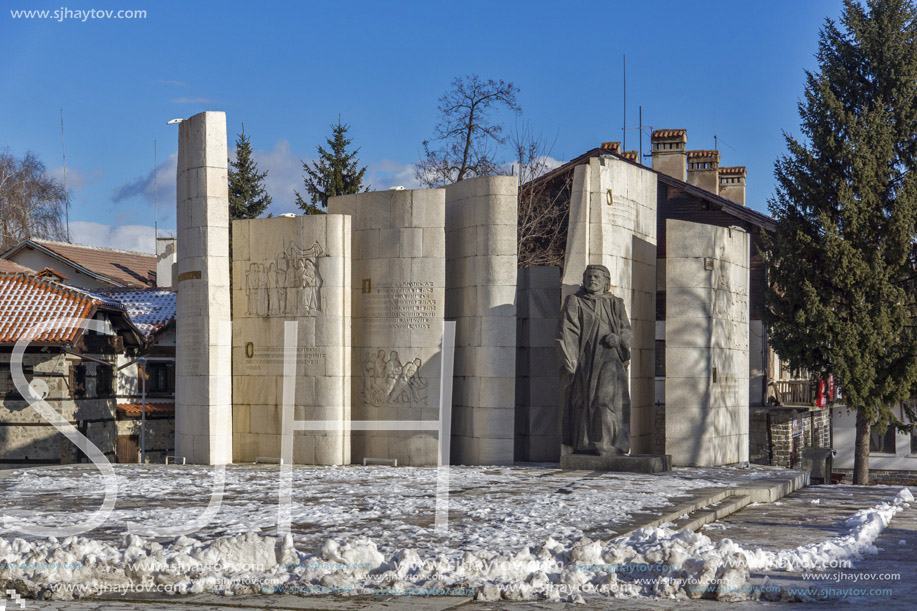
(669,152)
(732,183)
(703,170)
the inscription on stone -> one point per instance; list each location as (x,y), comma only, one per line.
(404,305)
(268,360)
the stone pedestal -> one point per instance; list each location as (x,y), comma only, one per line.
(634,463)
(203,383)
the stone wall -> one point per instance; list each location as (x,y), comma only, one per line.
(398,294)
(480,226)
(777,436)
(291,269)
(27,437)
(203,402)
(538,393)
(613,223)
(706,343)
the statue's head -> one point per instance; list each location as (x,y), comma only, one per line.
(596,279)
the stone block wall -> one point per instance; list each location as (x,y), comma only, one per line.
(538,392)
(27,437)
(778,436)
(706,343)
(613,223)
(203,384)
(292,269)
(480,232)
(398,279)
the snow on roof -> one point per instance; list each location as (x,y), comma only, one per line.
(26,301)
(149,309)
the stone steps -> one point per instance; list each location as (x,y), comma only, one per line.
(712,504)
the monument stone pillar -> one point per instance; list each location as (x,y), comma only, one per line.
(203,376)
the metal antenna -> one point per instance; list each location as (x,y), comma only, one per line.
(640,129)
(155,201)
(64,156)
(624,127)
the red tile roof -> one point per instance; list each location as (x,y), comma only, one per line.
(26,301)
(703,153)
(736,170)
(135,410)
(665,134)
(149,309)
(9,267)
(119,267)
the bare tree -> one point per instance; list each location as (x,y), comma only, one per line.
(465,140)
(543,219)
(32,203)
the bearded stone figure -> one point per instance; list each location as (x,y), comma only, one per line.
(593,340)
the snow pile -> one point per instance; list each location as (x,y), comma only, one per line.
(865,526)
(656,562)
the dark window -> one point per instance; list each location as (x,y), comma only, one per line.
(105,386)
(660,358)
(78,383)
(882,443)
(913,440)
(160,377)
(7,386)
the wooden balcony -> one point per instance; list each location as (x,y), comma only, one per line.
(795,392)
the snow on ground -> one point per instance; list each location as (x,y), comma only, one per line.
(360,531)
(503,508)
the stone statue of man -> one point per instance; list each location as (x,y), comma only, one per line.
(593,339)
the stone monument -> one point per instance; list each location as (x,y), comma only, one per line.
(594,340)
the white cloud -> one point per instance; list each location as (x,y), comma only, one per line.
(284,175)
(76,179)
(123,237)
(389,173)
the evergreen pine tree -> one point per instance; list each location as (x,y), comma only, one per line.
(248,198)
(336,172)
(841,263)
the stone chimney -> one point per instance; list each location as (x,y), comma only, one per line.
(732,183)
(631,156)
(703,170)
(669,152)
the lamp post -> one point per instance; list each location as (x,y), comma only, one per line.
(141,364)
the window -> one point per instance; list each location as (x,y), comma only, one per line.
(660,358)
(160,377)
(913,440)
(105,386)
(7,386)
(78,381)
(882,443)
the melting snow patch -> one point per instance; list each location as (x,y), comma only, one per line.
(656,562)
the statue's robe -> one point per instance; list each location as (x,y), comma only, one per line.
(596,411)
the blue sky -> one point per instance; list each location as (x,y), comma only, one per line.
(288,69)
